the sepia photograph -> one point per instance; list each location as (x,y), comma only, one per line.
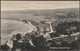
(40,26)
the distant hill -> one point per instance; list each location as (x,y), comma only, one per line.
(36,14)
(42,11)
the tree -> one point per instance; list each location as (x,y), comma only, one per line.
(68,27)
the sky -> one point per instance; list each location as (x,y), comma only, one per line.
(29,5)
